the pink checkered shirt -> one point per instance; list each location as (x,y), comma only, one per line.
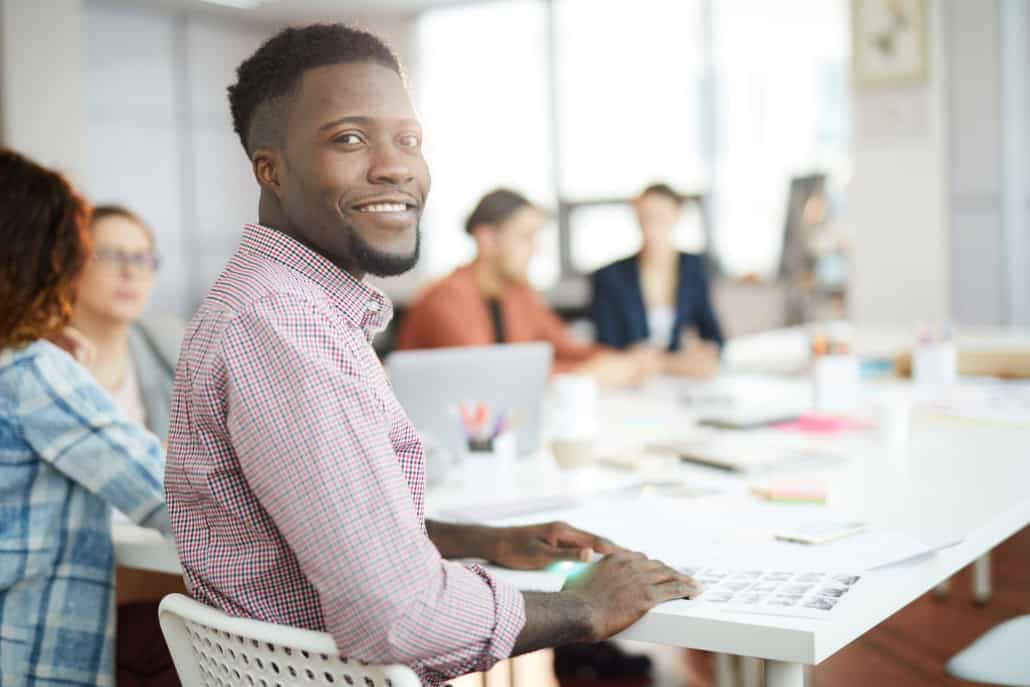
(295,481)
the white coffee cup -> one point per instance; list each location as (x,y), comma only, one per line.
(575,412)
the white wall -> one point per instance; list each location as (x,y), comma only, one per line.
(41,85)
(941,199)
(899,197)
(1015,97)
(160,137)
(975,162)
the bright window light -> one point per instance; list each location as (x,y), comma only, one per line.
(482,95)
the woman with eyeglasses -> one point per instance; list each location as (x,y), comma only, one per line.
(134,361)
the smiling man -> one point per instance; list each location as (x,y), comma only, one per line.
(295,481)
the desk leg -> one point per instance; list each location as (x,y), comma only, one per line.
(982,579)
(752,671)
(725,671)
(780,674)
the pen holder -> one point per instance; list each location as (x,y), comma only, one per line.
(835,383)
(490,459)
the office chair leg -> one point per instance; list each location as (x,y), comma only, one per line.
(725,671)
(982,579)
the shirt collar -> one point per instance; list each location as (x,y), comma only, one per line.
(363,305)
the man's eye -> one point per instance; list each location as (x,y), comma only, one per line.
(410,141)
(348,139)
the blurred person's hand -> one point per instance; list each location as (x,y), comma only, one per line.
(613,369)
(699,359)
(622,587)
(76,345)
(650,362)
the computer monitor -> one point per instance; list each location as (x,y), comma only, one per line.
(806,208)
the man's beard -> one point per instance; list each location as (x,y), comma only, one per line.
(372,261)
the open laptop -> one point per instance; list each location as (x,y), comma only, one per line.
(431,384)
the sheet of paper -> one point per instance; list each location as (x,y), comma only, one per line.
(723,530)
(864,551)
(805,593)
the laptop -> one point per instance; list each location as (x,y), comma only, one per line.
(432,384)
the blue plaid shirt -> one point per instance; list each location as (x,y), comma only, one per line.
(66,456)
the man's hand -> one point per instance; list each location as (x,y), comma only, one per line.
(602,600)
(622,587)
(537,546)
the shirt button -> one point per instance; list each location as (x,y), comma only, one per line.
(373,306)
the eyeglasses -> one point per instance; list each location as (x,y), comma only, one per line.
(144,261)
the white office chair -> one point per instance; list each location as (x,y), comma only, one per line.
(1001,656)
(212,649)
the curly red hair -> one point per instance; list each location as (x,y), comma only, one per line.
(44,245)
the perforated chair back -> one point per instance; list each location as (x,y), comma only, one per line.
(212,649)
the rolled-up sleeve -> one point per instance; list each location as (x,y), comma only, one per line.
(312,437)
(71,423)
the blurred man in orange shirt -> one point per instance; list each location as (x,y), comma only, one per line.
(490,301)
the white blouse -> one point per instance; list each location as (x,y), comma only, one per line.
(660,321)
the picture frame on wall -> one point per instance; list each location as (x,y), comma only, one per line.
(888,42)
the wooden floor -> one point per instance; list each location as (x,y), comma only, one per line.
(909,649)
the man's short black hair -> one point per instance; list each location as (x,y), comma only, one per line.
(266,78)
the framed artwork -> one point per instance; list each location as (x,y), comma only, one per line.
(888,42)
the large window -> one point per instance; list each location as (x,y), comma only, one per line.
(780,110)
(581,103)
(630,77)
(482,92)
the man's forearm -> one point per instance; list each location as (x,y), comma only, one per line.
(554,619)
(462,541)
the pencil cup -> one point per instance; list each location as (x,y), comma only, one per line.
(490,459)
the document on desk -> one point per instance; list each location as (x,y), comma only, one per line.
(730,532)
(749,452)
(874,548)
(989,402)
(804,593)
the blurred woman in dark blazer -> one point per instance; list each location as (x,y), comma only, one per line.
(659,297)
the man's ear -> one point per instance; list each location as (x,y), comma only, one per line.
(268,166)
(486,240)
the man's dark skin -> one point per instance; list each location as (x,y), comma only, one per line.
(348,138)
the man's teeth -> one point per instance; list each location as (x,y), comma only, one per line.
(384,207)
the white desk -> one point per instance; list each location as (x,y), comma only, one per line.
(952,480)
